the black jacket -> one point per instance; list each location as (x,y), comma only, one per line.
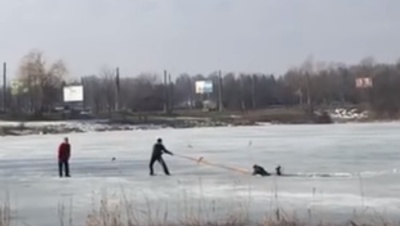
(278,171)
(260,171)
(159,149)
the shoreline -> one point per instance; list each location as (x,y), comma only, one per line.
(56,123)
(15,128)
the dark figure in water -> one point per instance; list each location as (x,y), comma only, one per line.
(258,170)
(64,153)
(278,170)
(158,150)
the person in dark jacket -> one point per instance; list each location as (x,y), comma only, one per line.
(64,153)
(258,170)
(158,151)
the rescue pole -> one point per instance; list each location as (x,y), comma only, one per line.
(201,160)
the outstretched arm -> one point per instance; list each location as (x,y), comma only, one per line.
(166,151)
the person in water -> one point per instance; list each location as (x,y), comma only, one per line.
(258,170)
(278,170)
(158,151)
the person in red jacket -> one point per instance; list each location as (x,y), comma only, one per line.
(64,153)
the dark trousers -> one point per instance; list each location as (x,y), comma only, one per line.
(161,161)
(65,165)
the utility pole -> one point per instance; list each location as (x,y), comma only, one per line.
(220,104)
(170,94)
(4,86)
(191,92)
(242,95)
(83,94)
(118,93)
(253,91)
(310,107)
(165,92)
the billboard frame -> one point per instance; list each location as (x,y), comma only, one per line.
(73,88)
(204,87)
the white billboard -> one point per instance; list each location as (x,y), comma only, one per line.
(204,87)
(73,93)
(364,82)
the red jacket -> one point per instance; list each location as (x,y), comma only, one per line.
(64,152)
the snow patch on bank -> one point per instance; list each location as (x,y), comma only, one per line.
(57,127)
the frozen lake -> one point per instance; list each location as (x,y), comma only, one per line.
(336,170)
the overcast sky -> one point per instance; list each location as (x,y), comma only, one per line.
(198,36)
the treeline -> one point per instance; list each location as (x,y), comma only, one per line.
(313,85)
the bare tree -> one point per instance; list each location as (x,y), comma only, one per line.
(108,88)
(147,93)
(43,81)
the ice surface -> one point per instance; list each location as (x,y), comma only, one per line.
(334,170)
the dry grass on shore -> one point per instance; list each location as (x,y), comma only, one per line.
(125,214)
(5,212)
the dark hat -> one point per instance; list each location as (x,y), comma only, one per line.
(159,140)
